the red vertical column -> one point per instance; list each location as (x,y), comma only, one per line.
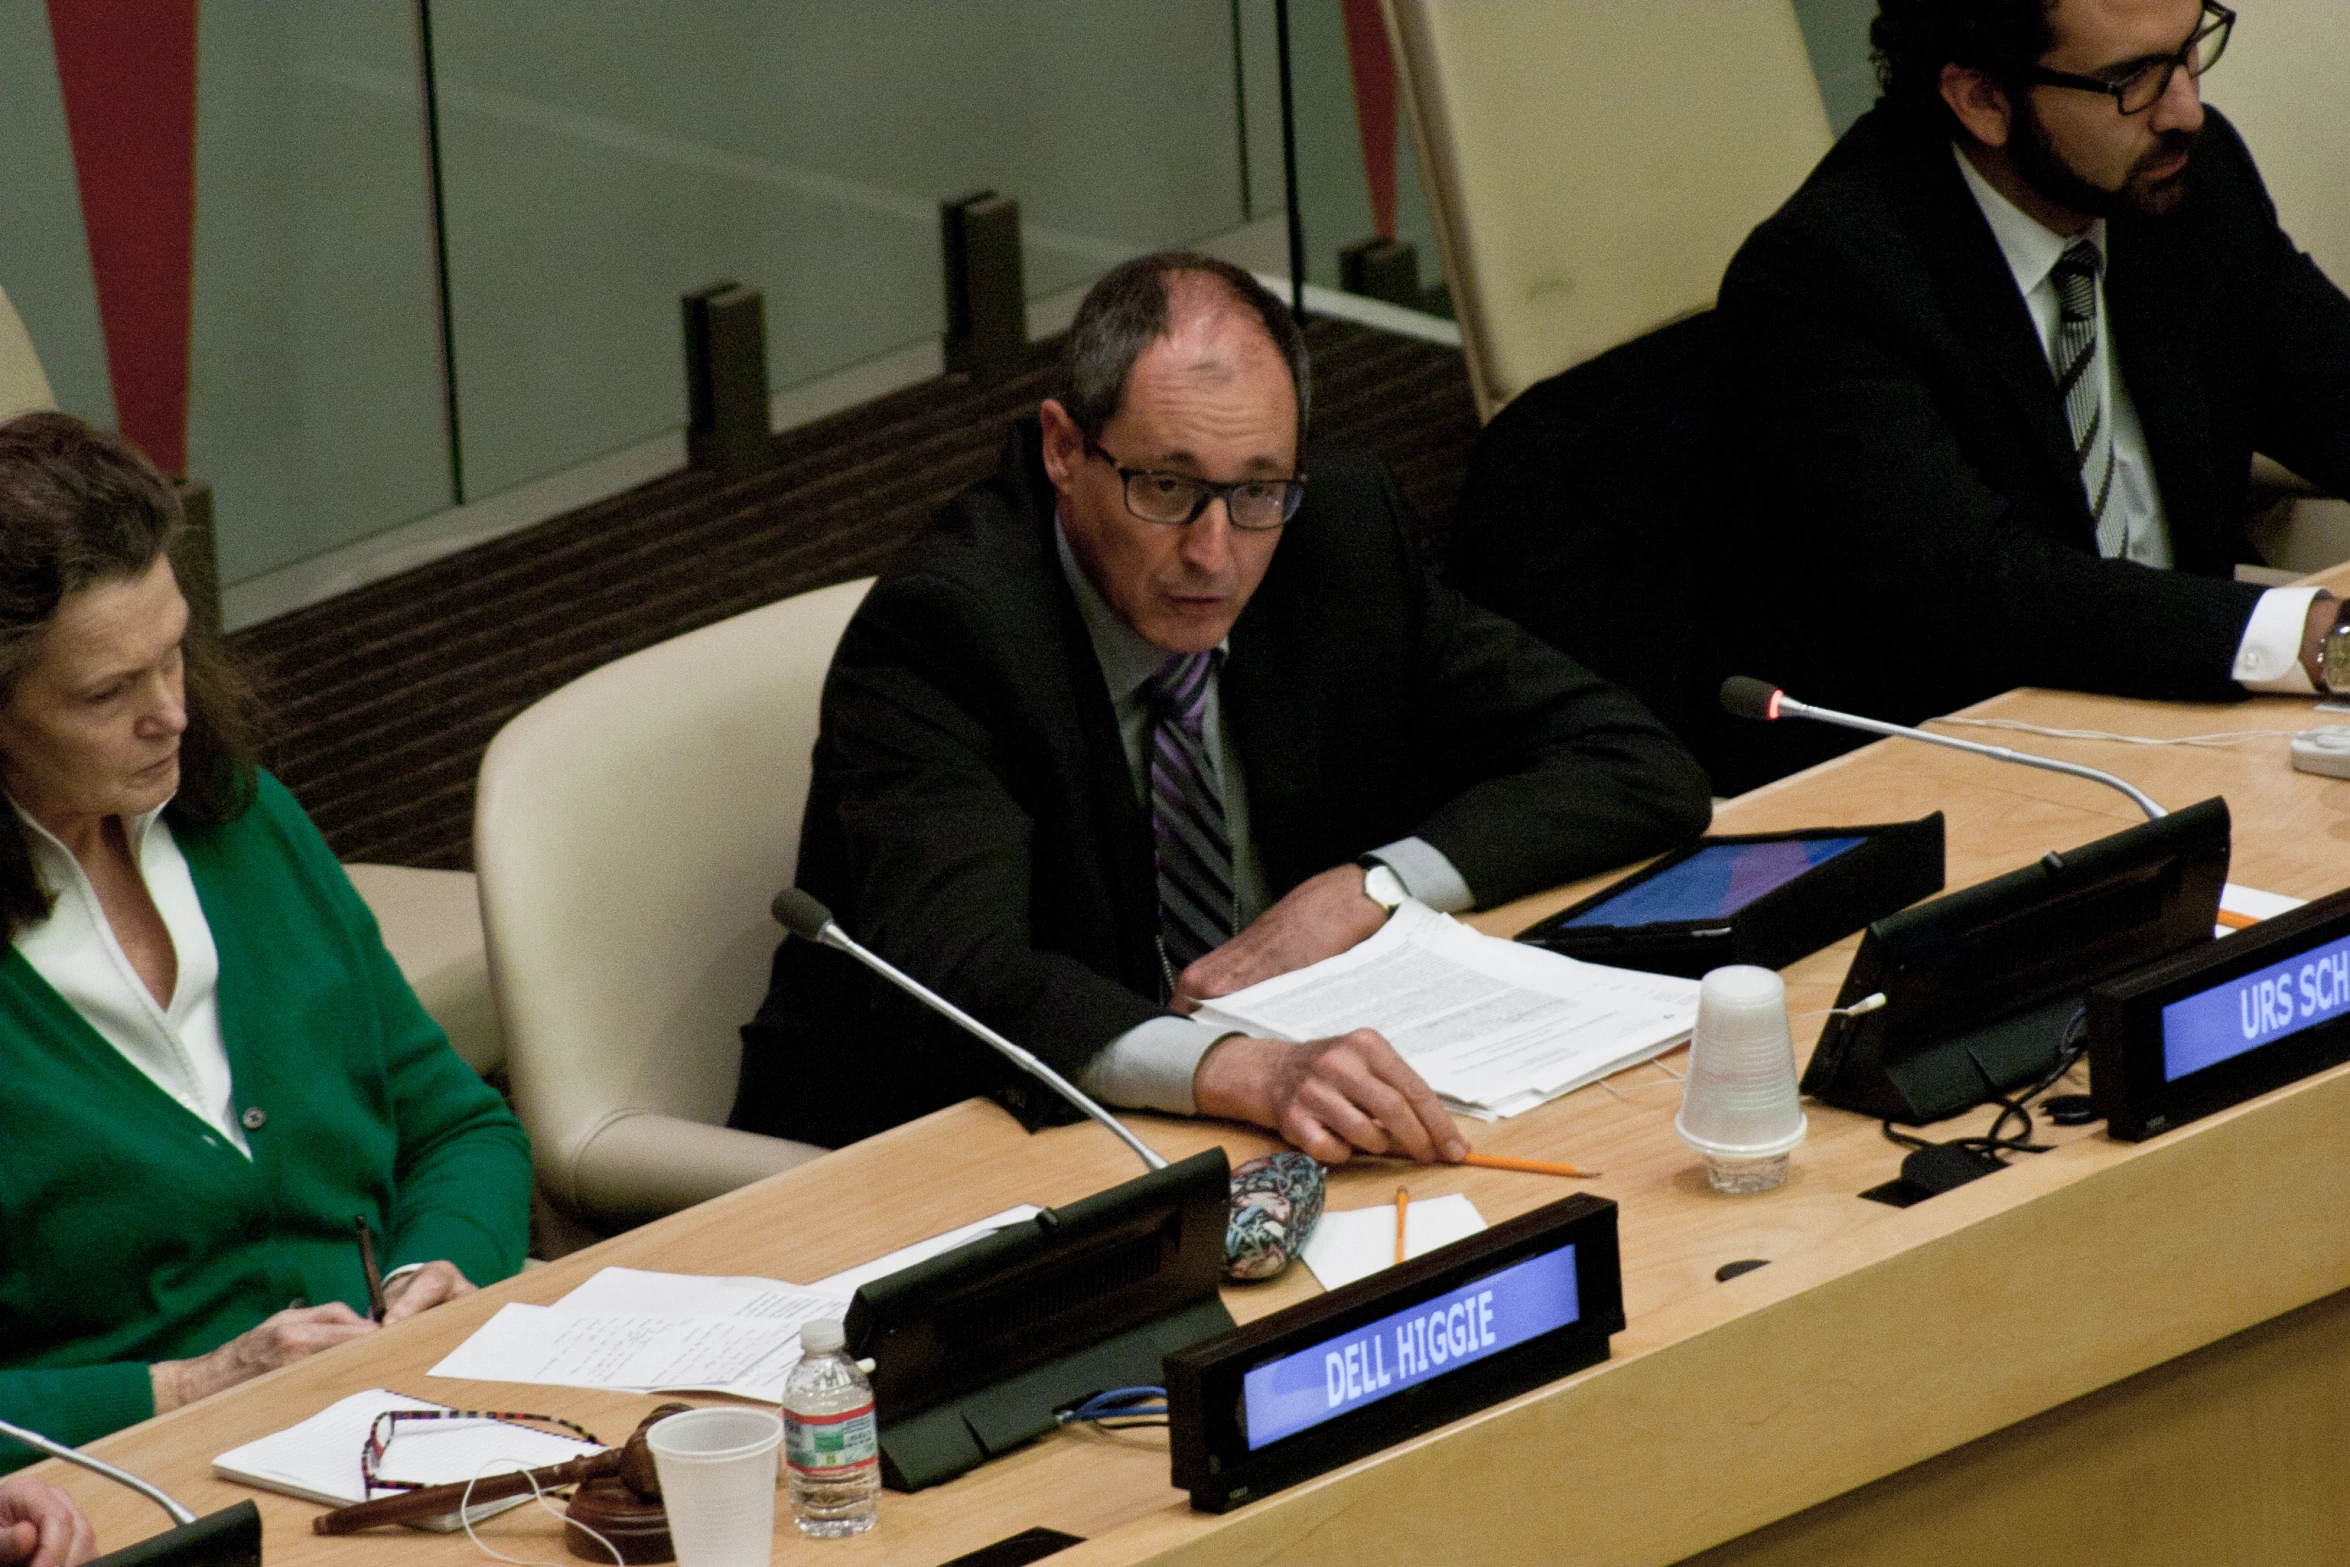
(128,70)
(1373,67)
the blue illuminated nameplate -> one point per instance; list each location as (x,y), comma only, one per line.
(2256,1009)
(1382,1358)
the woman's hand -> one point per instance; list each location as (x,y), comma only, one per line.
(293,1334)
(40,1526)
(434,1284)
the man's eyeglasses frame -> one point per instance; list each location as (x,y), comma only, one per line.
(1204,493)
(2216,27)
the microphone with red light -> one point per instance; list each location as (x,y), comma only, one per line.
(1743,696)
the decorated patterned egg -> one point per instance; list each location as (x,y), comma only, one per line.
(1276,1202)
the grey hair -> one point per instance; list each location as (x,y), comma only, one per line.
(1126,311)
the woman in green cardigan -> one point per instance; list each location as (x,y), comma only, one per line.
(209,1065)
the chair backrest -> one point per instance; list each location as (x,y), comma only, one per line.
(630,831)
(23,385)
(1593,164)
(2281,84)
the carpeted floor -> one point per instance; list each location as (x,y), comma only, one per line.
(384,699)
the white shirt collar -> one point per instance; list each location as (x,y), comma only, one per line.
(134,829)
(2031,247)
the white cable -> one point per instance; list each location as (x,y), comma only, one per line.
(465,1517)
(2217,741)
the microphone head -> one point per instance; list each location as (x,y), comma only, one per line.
(1743,696)
(800,914)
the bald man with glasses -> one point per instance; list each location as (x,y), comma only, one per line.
(2000,367)
(1157,713)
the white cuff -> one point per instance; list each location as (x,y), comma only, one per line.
(1150,1066)
(1429,877)
(2269,657)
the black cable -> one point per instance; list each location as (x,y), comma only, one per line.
(1997,1141)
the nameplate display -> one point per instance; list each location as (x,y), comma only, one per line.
(2223,1022)
(1395,1354)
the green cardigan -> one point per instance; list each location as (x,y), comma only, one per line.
(131,1232)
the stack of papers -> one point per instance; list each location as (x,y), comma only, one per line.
(631,1331)
(318,1460)
(1495,1027)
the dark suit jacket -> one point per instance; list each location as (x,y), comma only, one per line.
(972,816)
(1919,537)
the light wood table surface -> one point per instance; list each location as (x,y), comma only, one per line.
(2104,1353)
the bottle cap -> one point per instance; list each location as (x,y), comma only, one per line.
(822,1337)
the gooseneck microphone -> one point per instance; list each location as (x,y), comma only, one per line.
(98,1466)
(810,920)
(1743,696)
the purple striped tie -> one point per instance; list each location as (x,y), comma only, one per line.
(1193,849)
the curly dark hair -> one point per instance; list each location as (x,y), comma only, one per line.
(1911,40)
(79,508)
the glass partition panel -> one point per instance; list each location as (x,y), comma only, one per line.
(602,157)
(315,395)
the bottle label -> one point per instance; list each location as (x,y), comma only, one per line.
(831,1447)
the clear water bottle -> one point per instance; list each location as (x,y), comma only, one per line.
(831,1446)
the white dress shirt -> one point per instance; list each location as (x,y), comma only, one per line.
(1150,1066)
(2268,658)
(179,1047)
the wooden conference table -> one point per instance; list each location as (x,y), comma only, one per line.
(2105,1353)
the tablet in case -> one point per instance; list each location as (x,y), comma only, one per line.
(1761,898)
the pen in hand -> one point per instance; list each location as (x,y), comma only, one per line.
(375,1279)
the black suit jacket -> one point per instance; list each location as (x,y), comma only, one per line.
(1919,537)
(972,816)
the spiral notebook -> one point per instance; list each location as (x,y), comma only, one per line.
(318,1460)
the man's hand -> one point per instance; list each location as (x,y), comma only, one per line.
(432,1285)
(1322,916)
(291,1335)
(40,1526)
(1328,1097)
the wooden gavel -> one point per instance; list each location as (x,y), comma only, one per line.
(631,1462)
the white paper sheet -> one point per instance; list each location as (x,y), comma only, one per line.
(637,1351)
(1357,1242)
(2252,904)
(318,1460)
(1496,1027)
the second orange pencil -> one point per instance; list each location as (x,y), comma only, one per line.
(1494,1161)
(1403,1200)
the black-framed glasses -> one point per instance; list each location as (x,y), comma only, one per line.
(1176,500)
(387,1426)
(2141,86)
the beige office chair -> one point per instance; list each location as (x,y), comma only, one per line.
(2281,85)
(23,385)
(630,831)
(1593,164)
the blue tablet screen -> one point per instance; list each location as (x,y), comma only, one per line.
(1715,882)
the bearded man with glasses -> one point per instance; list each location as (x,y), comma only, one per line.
(1158,712)
(1999,369)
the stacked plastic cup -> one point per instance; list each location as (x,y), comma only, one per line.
(718,1469)
(1739,1107)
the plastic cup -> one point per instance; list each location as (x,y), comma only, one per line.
(718,1470)
(1739,1107)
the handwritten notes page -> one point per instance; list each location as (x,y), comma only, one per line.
(630,1330)
(1496,1027)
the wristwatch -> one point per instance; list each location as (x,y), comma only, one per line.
(1380,883)
(2333,655)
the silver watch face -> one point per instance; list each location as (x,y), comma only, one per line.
(2333,659)
(1383,887)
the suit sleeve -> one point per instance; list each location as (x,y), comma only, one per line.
(941,853)
(1874,513)
(1548,773)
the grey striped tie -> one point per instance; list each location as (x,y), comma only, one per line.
(2080,382)
(1193,848)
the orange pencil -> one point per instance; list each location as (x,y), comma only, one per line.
(2234,921)
(1494,1161)
(1403,1200)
